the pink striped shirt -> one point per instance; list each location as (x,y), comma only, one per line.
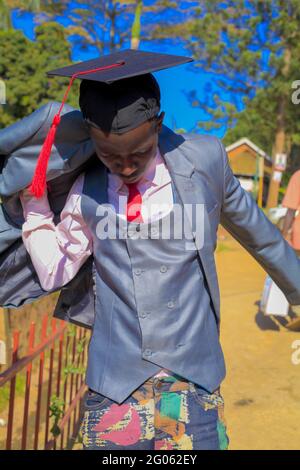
(58,251)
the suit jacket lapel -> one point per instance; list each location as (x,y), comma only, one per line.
(193,190)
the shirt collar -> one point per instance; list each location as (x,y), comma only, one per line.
(153,175)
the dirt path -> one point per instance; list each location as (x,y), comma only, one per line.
(262,386)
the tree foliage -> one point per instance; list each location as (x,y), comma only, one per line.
(23,64)
(103,24)
(48,7)
(253,49)
(5,19)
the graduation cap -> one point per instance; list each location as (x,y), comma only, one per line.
(107,69)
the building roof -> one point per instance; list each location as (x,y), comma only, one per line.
(249,143)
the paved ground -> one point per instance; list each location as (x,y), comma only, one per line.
(262,386)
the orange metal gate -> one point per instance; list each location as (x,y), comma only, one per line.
(44,412)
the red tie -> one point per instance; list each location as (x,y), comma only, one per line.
(134,202)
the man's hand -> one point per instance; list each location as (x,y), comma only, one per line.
(26,195)
(287,225)
(25,192)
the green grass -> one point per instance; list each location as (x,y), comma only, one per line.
(223,247)
(4,391)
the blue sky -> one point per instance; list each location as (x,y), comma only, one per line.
(175,83)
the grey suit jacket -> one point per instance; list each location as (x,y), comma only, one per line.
(195,161)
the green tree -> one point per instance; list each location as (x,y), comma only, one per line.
(250,46)
(108,24)
(174,19)
(256,123)
(50,8)
(136,25)
(5,18)
(23,66)
(100,23)
(6,7)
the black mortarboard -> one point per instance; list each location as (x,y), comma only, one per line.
(120,106)
(131,63)
(109,69)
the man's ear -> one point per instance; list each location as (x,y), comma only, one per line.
(159,121)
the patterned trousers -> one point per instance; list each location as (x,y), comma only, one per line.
(164,413)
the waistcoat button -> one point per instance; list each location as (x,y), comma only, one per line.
(147,352)
(170,304)
(138,272)
(163,268)
(133,234)
(143,314)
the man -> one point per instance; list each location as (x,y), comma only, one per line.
(155,363)
(291,201)
(291,228)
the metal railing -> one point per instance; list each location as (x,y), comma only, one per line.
(51,389)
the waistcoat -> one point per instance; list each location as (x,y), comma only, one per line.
(152,305)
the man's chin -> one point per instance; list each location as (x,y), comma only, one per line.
(133,179)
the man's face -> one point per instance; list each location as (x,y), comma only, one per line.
(130,154)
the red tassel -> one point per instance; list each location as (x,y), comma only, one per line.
(38,184)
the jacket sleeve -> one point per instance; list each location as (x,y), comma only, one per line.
(57,251)
(248,224)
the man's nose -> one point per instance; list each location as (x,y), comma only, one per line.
(128,171)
